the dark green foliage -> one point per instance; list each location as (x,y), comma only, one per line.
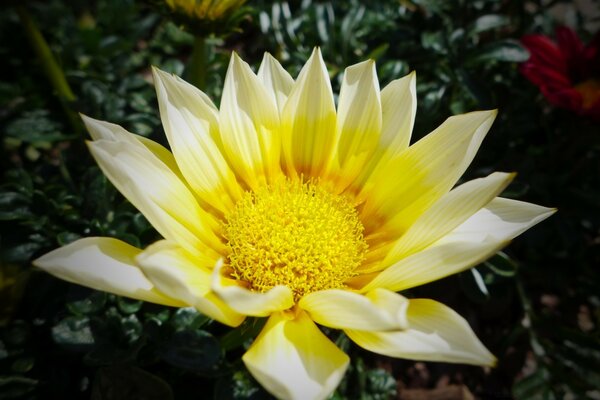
(536,305)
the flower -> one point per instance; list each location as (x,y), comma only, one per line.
(567,72)
(204,9)
(207,16)
(278,205)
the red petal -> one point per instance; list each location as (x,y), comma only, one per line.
(544,51)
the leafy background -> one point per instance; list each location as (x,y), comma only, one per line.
(536,306)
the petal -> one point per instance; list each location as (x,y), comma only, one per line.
(502,219)
(105,264)
(191,123)
(159,194)
(435,262)
(416,179)
(378,310)
(358,120)
(544,51)
(276,79)
(185,277)
(399,107)
(451,210)
(475,240)
(247,302)
(249,124)
(435,333)
(115,133)
(293,359)
(308,120)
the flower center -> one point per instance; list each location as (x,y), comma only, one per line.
(295,234)
(589,91)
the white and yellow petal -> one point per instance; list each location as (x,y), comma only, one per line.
(435,333)
(102,130)
(308,121)
(395,196)
(248,302)
(377,310)
(294,360)
(276,79)
(435,262)
(191,123)
(104,264)
(472,242)
(454,208)
(159,194)
(398,110)
(359,121)
(249,123)
(187,278)
(501,219)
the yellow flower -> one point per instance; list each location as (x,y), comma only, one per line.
(279,205)
(206,17)
(204,9)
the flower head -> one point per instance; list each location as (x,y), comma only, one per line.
(280,205)
(207,16)
(566,71)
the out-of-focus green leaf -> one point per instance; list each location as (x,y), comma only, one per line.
(36,126)
(488,22)
(195,350)
(473,285)
(23,364)
(15,386)
(74,332)
(239,386)
(188,318)
(501,265)
(532,387)
(381,385)
(126,383)
(503,50)
(249,329)
(90,305)
(129,306)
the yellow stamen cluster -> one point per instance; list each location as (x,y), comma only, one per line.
(296,234)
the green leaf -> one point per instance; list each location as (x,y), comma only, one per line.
(381,385)
(195,350)
(74,332)
(507,50)
(126,383)
(240,386)
(188,318)
(474,286)
(19,254)
(65,238)
(502,265)
(249,329)
(36,126)
(15,386)
(532,386)
(129,306)
(90,305)
(488,22)
(23,364)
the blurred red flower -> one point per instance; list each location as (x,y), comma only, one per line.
(566,71)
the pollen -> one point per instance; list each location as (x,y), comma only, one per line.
(296,234)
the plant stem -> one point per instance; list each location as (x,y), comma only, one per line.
(197,66)
(50,66)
